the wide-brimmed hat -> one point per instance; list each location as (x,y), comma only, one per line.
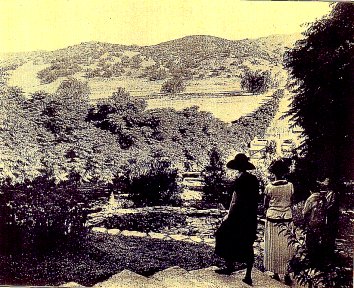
(240,162)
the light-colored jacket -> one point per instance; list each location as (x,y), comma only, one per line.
(279,194)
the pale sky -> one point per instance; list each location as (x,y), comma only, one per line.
(29,25)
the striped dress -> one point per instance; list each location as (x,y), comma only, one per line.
(277,252)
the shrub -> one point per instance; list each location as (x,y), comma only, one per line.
(57,70)
(156,186)
(174,85)
(256,81)
(330,271)
(38,215)
(215,190)
(145,221)
(154,73)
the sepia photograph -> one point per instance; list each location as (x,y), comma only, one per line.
(176,143)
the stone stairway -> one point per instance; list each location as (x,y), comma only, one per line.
(178,277)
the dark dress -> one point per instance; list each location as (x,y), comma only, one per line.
(235,237)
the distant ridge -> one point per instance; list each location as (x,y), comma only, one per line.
(143,69)
(190,39)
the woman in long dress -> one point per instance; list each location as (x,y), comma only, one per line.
(278,195)
(237,233)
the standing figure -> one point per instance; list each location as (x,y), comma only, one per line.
(332,220)
(314,213)
(237,233)
(277,202)
(320,214)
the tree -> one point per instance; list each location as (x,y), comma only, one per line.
(120,114)
(214,178)
(172,86)
(65,111)
(135,62)
(43,213)
(322,66)
(256,81)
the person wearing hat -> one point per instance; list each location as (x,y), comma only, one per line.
(235,237)
(277,203)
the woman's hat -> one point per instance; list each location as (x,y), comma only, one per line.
(240,162)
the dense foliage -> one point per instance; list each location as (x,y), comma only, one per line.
(41,214)
(215,188)
(324,272)
(145,221)
(256,81)
(113,141)
(157,185)
(247,127)
(64,132)
(191,57)
(322,65)
(56,70)
(172,86)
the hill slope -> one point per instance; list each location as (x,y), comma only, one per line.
(201,60)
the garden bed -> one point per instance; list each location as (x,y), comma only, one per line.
(175,220)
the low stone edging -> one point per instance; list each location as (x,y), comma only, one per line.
(155,235)
(208,240)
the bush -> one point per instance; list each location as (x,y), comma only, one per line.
(38,215)
(215,190)
(174,85)
(57,70)
(330,271)
(145,221)
(155,73)
(256,81)
(156,186)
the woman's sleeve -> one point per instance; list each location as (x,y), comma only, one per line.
(292,189)
(266,190)
(233,201)
(266,199)
(307,206)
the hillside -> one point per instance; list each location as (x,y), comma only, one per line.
(201,48)
(66,131)
(201,61)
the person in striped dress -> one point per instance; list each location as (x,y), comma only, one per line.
(277,202)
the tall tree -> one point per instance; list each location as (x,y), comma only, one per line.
(322,66)
(256,81)
(214,178)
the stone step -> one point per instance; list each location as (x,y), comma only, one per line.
(129,279)
(216,280)
(178,277)
(235,279)
(71,284)
(259,279)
